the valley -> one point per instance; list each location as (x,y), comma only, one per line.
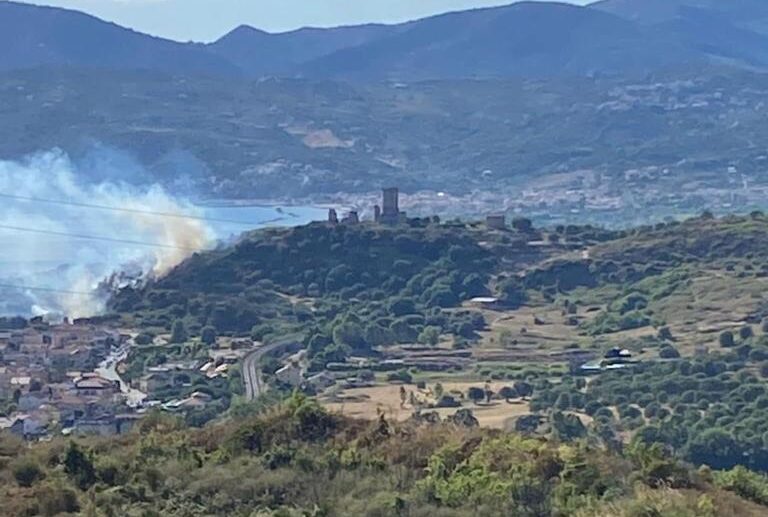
(502,261)
(600,341)
(608,151)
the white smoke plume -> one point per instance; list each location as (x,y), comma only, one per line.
(71,268)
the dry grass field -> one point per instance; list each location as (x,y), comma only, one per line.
(369,402)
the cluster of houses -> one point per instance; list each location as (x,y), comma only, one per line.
(63,379)
(170,385)
(48,382)
(295,373)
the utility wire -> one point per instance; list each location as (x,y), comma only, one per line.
(106,239)
(132,210)
(97,238)
(46,289)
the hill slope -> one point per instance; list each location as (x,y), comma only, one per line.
(34,36)
(299,460)
(745,14)
(261,53)
(523,39)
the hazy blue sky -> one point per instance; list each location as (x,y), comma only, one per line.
(205,20)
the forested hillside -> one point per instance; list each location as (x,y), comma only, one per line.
(297,459)
(686,298)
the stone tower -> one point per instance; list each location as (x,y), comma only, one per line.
(390,212)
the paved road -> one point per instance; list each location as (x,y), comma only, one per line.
(108,370)
(254,384)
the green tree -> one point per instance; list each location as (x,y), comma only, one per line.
(473,285)
(727,340)
(401,307)
(567,427)
(513,294)
(179,332)
(563,401)
(78,466)
(208,335)
(403,376)
(350,334)
(665,334)
(403,332)
(715,447)
(377,335)
(669,352)
(508,392)
(144,339)
(523,389)
(464,418)
(441,297)
(522,224)
(476,394)
(430,336)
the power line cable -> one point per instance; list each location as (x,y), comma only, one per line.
(46,289)
(97,238)
(134,210)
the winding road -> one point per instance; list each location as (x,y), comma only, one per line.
(254,384)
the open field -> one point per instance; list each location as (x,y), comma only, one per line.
(369,402)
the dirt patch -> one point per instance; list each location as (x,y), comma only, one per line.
(325,139)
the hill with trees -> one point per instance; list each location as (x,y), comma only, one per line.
(298,459)
(526,39)
(347,289)
(36,36)
(686,297)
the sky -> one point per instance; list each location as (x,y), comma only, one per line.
(207,20)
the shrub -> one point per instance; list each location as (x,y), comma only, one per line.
(429,336)
(57,500)
(508,392)
(727,340)
(669,352)
(592,407)
(27,473)
(476,394)
(447,401)
(208,335)
(144,339)
(400,376)
(746,484)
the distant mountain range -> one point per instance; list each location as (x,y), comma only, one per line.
(748,14)
(520,40)
(34,36)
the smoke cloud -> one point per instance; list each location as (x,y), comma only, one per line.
(69,273)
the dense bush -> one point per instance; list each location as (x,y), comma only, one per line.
(721,435)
